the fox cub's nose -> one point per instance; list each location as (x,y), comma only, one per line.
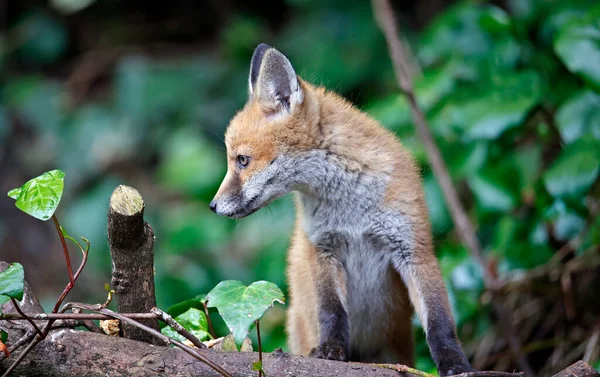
(213,206)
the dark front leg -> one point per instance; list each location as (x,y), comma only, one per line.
(334,331)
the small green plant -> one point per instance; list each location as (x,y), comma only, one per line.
(192,320)
(11,288)
(242,307)
(39,197)
(11,284)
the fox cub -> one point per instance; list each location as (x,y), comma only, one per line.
(362,251)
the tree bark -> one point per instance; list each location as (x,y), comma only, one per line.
(71,353)
(579,369)
(131,242)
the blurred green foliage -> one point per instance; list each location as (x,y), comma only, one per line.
(512,96)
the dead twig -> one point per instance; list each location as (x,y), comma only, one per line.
(18,309)
(76,316)
(99,309)
(406,369)
(44,332)
(166,318)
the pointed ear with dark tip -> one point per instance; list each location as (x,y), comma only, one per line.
(257,58)
(274,83)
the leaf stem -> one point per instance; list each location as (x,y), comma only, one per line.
(44,332)
(65,249)
(158,334)
(208,321)
(18,309)
(260,371)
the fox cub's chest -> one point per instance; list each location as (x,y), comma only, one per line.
(345,211)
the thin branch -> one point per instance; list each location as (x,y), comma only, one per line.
(18,309)
(64,294)
(406,369)
(260,371)
(208,321)
(65,249)
(166,318)
(24,339)
(158,334)
(15,363)
(76,316)
(385,18)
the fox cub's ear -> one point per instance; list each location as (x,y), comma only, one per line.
(273,81)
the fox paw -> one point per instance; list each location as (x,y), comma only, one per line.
(331,351)
(457,368)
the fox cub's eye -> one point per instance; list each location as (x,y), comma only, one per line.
(243,160)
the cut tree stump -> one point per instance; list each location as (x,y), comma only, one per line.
(579,369)
(131,242)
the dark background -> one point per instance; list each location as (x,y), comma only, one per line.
(139,93)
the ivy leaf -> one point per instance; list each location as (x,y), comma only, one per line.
(183,306)
(503,108)
(14,193)
(574,170)
(579,117)
(241,305)
(192,320)
(578,46)
(40,196)
(492,192)
(11,283)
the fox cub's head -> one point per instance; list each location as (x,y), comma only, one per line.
(262,138)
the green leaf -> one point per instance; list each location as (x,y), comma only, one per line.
(454,32)
(11,283)
(561,16)
(257,365)
(487,111)
(566,221)
(40,196)
(465,159)
(579,117)
(3,336)
(492,192)
(14,193)
(574,170)
(192,320)
(241,305)
(503,108)
(182,307)
(578,46)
